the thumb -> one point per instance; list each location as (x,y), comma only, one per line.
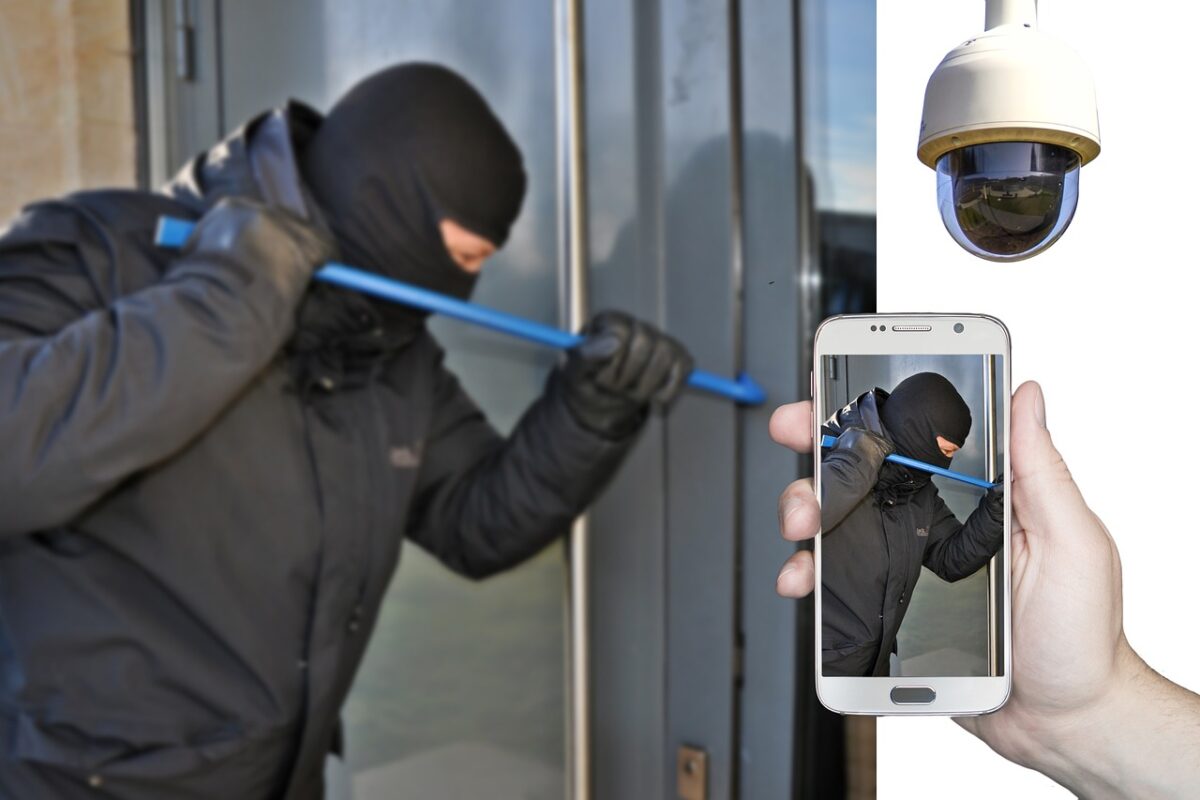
(1046,501)
(601,346)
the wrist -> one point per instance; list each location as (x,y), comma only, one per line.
(1110,748)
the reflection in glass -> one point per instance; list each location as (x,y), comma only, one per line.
(838,51)
(1007,201)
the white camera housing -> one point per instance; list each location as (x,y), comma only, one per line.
(1013,83)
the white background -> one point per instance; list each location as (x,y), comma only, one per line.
(1105,321)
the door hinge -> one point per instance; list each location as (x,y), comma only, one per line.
(185,41)
(691,773)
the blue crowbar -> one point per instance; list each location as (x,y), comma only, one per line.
(174,232)
(830,441)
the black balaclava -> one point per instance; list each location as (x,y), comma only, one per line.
(402,150)
(921,408)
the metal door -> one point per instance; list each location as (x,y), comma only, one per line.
(704,217)
(665,142)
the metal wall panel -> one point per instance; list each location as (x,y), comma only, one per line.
(628,540)
(778,323)
(837,74)
(702,303)
(685,195)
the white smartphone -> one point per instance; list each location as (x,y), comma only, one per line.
(913,599)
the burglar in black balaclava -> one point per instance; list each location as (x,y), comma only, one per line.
(881,522)
(211,462)
(927,420)
(403,154)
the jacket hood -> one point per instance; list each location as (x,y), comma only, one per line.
(896,483)
(258,161)
(862,412)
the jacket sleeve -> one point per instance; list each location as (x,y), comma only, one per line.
(95,387)
(956,550)
(485,503)
(847,477)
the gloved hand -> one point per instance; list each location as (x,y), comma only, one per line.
(993,500)
(622,368)
(866,445)
(261,241)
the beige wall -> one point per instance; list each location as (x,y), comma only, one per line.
(66,99)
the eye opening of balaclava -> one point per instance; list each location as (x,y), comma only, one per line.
(403,149)
(921,408)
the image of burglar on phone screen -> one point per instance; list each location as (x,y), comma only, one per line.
(883,521)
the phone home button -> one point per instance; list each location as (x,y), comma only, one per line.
(912,695)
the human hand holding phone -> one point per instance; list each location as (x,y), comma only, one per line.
(799,512)
(1085,709)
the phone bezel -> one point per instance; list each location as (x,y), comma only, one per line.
(982,335)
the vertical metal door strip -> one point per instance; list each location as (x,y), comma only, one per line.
(737,254)
(572,226)
(996,565)
(156,130)
(183,84)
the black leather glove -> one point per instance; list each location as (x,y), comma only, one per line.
(866,445)
(265,241)
(622,368)
(993,500)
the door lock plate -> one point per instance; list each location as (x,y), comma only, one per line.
(691,773)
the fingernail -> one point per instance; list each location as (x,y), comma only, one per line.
(1039,407)
(788,568)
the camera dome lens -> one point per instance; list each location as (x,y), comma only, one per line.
(1006,201)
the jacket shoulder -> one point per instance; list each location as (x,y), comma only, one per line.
(61,258)
(107,216)
(124,212)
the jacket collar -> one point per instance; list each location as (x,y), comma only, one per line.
(896,484)
(340,338)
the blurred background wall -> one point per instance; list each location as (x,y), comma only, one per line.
(66,98)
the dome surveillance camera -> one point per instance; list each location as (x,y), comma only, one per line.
(1010,118)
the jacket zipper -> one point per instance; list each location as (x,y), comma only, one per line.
(374,440)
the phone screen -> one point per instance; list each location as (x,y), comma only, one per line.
(913,515)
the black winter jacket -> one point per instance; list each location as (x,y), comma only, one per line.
(193,550)
(873,547)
